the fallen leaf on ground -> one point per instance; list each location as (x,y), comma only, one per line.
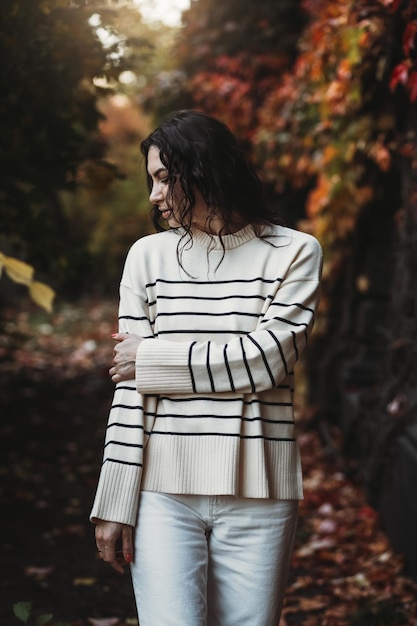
(39,572)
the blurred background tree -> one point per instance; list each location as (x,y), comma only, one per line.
(59,60)
(229,56)
(111,212)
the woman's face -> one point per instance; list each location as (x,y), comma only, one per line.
(159,194)
(160,186)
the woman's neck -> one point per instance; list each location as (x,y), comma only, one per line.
(217,227)
(212,222)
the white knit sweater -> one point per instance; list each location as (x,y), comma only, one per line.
(211,410)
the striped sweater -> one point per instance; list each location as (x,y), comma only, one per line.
(211,410)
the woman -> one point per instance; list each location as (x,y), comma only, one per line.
(201,475)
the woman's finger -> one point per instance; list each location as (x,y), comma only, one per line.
(127,543)
(107,535)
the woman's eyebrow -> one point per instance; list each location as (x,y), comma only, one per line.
(158,171)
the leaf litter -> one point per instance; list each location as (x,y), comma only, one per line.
(55,401)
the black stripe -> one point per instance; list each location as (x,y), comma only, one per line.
(297,304)
(176,434)
(222,417)
(266,281)
(190,368)
(282,319)
(132,317)
(229,373)
(210,375)
(294,341)
(125,387)
(247,366)
(245,402)
(120,425)
(208,314)
(268,369)
(210,298)
(284,362)
(204,331)
(119,462)
(120,443)
(138,407)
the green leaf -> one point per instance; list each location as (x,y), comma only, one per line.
(22,610)
(351,37)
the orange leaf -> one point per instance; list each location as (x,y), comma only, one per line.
(344,69)
(319,196)
(328,154)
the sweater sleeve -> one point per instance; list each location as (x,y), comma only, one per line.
(130,422)
(258,361)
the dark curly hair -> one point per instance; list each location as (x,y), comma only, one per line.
(201,152)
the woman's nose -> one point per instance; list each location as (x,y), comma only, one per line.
(155,194)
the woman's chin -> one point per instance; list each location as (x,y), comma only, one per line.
(172,222)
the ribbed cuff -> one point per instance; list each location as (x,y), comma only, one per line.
(117,496)
(162,367)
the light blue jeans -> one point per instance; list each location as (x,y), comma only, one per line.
(212,560)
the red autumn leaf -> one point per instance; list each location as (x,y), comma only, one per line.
(39,572)
(409,37)
(367,512)
(399,75)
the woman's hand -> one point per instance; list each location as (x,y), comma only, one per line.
(124,360)
(115,543)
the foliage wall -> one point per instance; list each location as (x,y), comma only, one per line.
(333,121)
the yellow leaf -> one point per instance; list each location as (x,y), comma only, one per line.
(42,295)
(17,270)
